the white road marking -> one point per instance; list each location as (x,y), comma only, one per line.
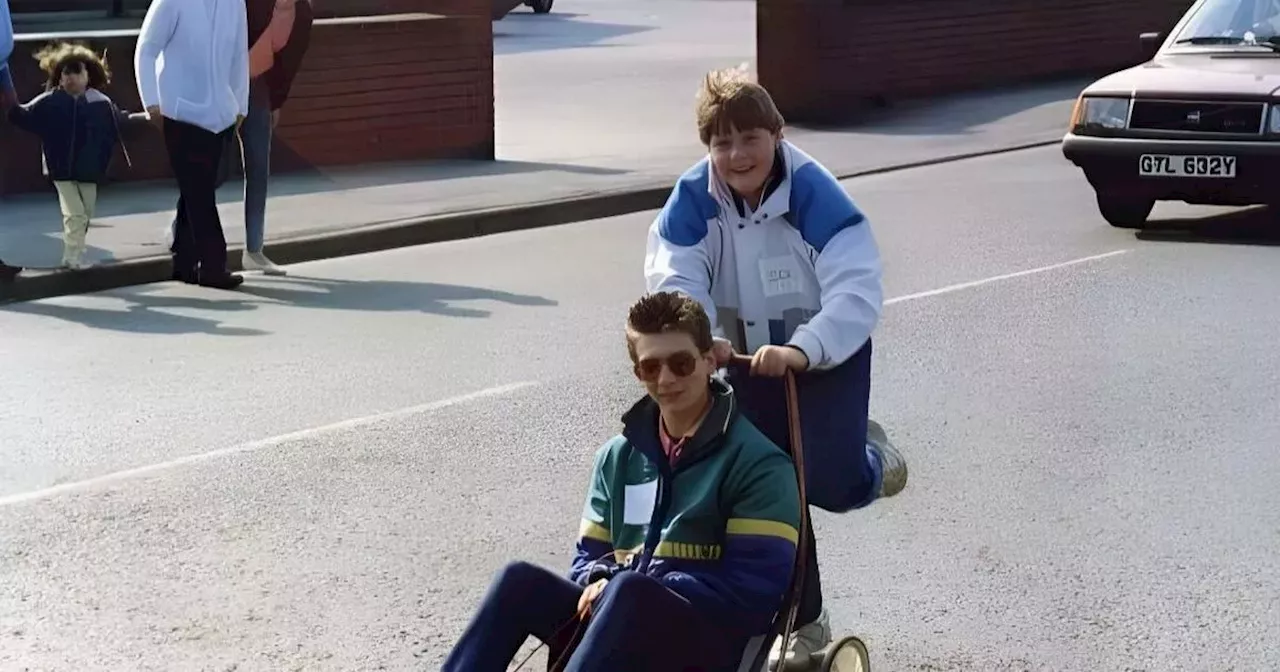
(260,444)
(997,278)
(443,403)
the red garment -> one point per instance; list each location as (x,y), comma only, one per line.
(266,32)
(262,53)
(670,445)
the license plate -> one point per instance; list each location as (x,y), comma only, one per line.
(1165,165)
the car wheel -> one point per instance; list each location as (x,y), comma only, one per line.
(540,6)
(1125,212)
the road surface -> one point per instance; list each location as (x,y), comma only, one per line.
(322,472)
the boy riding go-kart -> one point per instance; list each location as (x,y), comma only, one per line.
(688,536)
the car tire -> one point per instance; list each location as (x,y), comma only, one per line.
(1125,212)
(540,6)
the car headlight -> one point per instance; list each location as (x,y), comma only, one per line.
(1100,112)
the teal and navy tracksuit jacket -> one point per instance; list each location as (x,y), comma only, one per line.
(719,528)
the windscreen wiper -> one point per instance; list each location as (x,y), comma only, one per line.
(1222,39)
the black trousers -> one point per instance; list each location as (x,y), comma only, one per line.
(195,154)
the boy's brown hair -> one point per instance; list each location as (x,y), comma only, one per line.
(57,58)
(729,99)
(663,312)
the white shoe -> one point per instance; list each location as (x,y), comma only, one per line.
(806,641)
(892,462)
(257,261)
(75,263)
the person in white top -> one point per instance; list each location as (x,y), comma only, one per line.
(8,98)
(192,69)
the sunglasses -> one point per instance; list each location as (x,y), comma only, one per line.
(681,364)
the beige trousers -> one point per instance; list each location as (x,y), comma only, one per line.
(78,201)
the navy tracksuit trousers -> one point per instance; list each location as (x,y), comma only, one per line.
(840,474)
(636,625)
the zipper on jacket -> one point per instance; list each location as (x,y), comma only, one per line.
(71,148)
(655,520)
(667,474)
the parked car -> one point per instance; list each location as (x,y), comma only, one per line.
(1199,122)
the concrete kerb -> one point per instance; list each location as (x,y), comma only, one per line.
(375,237)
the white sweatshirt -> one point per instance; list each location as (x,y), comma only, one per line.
(192,60)
(803,269)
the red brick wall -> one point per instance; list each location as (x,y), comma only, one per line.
(104,6)
(370,90)
(823,59)
(327,8)
(394,91)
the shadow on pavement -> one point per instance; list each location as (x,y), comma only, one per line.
(522,32)
(382,295)
(1249,226)
(145,314)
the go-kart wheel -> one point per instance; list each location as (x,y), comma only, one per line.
(846,655)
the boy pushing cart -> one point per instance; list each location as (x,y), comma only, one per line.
(786,266)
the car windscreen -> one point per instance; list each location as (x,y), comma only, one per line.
(1232,22)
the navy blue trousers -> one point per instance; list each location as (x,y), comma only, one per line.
(839,474)
(636,625)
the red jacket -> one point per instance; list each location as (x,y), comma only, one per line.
(279,78)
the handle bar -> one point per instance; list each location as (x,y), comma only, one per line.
(797,454)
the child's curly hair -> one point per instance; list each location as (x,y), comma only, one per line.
(62,56)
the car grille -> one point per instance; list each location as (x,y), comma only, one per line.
(1197,117)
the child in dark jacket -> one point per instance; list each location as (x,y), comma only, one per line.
(79,128)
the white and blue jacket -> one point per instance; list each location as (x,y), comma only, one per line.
(802,270)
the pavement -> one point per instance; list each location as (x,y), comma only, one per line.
(594,118)
(324,471)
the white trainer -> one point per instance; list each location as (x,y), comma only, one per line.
(257,261)
(806,641)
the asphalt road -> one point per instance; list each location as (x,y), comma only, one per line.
(1089,419)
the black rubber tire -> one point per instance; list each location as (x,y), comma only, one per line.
(846,655)
(541,6)
(1125,212)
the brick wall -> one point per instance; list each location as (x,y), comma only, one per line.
(824,59)
(326,9)
(371,89)
(104,6)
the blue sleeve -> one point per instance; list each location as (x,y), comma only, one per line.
(821,205)
(595,541)
(759,549)
(683,219)
(848,268)
(676,258)
(6,33)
